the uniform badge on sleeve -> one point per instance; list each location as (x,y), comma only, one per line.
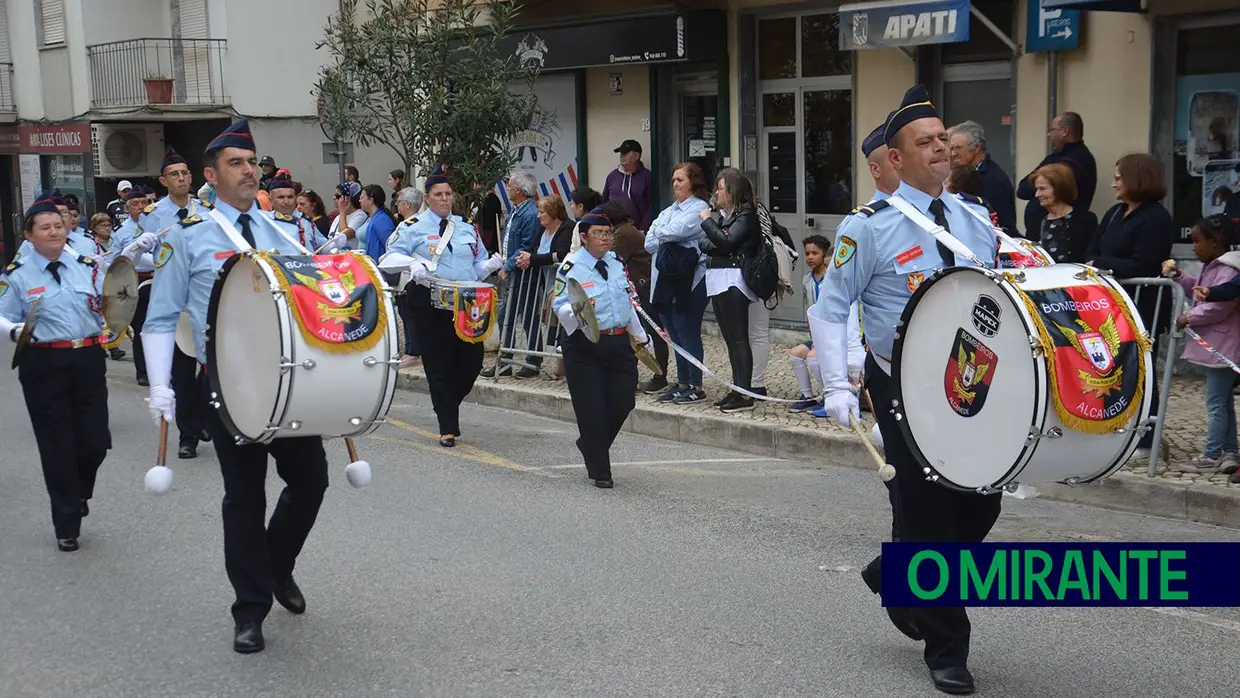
(4,288)
(164,254)
(560,284)
(844,250)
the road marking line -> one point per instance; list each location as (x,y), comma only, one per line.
(672,462)
(1196,617)
(126,384)
(461,450)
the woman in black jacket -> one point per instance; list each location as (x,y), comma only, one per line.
(1133,239)
(729,244)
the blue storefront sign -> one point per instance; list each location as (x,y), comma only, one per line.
(1094,5)
(1051,29)
(907,23)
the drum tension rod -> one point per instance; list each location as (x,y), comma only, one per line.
(372,361)
(285,365)
(1052,433)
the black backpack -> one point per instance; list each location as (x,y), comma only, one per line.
(768,272)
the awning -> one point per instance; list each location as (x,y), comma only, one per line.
(1095,5)
(896,23)
(693,36)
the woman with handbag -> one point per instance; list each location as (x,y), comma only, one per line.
(729,245)
(677,277)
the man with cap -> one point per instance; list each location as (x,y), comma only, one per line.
(259,560)
(444,245)
(116,207)
(268,166)
(881,257)
(630,185)
(62,370)
(284,211)
(601,374)
(130,233)
(175,176)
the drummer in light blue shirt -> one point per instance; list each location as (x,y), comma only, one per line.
(438,245)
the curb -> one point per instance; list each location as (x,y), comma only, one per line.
(1127,492)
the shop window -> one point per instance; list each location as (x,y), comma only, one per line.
(777,58)
(820,47)
(1206,159)
(779,109)
(828,151)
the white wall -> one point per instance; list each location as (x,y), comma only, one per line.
(611,119)
(272,62)
(24,47)
(297,145)
(103,21)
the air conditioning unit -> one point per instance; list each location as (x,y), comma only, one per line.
(127,150)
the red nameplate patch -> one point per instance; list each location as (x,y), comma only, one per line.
(909,255)
(33,291)
(587,284)
(225,254)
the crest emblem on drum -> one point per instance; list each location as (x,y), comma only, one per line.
(333,290)
(1099,348)
(970,370)
(986,313)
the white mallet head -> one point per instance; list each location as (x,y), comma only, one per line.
(357,473)
(887,472)
(158,479)
(876,437)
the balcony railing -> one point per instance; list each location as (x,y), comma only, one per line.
(141,72)
(6,88)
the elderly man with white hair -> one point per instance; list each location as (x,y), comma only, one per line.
(408,204)
(521,300)
(967,144)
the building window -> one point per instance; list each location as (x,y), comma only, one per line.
(51,22)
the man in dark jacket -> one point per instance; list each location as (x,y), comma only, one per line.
(968,149)
(630,185)
(1066,135)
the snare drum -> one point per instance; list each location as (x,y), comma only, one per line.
(1031,376)
(472,304)
(300,346)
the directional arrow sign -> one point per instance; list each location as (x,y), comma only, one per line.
(1051,30)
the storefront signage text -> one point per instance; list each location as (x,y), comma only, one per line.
(888,25)
(64,138)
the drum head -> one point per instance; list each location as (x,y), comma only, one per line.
(120,294)
(185,335)
(965,378)
(27,333)
(244,347)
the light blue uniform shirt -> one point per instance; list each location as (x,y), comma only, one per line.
(129,231)
(70,309)
(610,296)
(162,215)
(421,238)
(77,239)
(678,223)
(187,260)
(881,258)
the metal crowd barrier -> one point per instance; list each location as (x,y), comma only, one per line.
(1172,345)
(527,326)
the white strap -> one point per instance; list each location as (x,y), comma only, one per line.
(443,245)
(239,242)
(937,231)
(991,224)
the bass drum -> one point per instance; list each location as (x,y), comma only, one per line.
(268,380)
(1036,376)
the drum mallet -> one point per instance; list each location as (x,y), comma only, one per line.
(159,478)
(357,472)
(885,469)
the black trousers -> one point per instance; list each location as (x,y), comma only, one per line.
(67,398)
(451,365)
(187,383)
(732,314)
(139,318)
(929,512)
(600,381)
(257,553)
(661,350)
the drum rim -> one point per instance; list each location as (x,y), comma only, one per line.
(897,352)
(213,376)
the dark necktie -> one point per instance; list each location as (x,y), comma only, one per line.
(54,269)
(940,218)
(182,213)
(244,220)
(602,268)
(443,226)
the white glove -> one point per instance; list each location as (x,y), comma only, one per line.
(494,264)
(15,331)
(419,275)
(143,243)
(162,404)
(338,240)
(842,406)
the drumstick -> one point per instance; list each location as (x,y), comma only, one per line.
(357,472)
(352,447)
(885,469)
(161,457)
(159,477)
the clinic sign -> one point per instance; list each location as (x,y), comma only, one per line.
(46,140)
(915,23)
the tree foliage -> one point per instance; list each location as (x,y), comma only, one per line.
(432,80)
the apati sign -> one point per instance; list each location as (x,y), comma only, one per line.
(63,138)
(913,23)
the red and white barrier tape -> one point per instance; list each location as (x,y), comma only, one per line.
(1230,364)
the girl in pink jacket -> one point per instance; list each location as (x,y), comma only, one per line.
(1218,323)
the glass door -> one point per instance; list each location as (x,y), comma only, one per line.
(982,92)
(696,123)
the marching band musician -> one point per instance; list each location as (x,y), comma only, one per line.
(442,245)
(259,562)
(174,174)
(284,210)
(881,257)
(129,233)
(600,376)
(62,370)
(75,237)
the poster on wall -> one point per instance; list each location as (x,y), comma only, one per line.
(1220,182)
(31,178)
(548,148)
(1207,119)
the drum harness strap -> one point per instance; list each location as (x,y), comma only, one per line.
(239,242)
(443,245)
(1003,236)
(937,231)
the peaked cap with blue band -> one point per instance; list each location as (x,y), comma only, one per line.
(172,157)
(437,176)
(915,105)
(876,138)
(235,136)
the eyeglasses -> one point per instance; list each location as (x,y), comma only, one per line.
(603,236)
(179,174)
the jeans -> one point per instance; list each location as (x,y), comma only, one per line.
(1220,412)
(684,326)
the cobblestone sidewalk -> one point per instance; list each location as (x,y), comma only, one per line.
(1183,434)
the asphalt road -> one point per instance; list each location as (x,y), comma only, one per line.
(495,569)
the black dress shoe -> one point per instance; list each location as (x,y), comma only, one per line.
(187,450)
(447,443)
(142,381)
(289,596)
(248,638)
(604,484)
(67,545)
(84,511)
(955,680)
(204,437)
(902,618)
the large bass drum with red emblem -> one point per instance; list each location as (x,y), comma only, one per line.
(300,346)
(1024,376)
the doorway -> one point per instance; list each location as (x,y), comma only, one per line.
(695,123)
(982,92)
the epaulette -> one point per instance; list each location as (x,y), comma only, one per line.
(565,267)
(86,260)
(205,204)
(191,220)
(411,220)
(867,210)
(14,266)
(284,218)
(149,208)
(973,199)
